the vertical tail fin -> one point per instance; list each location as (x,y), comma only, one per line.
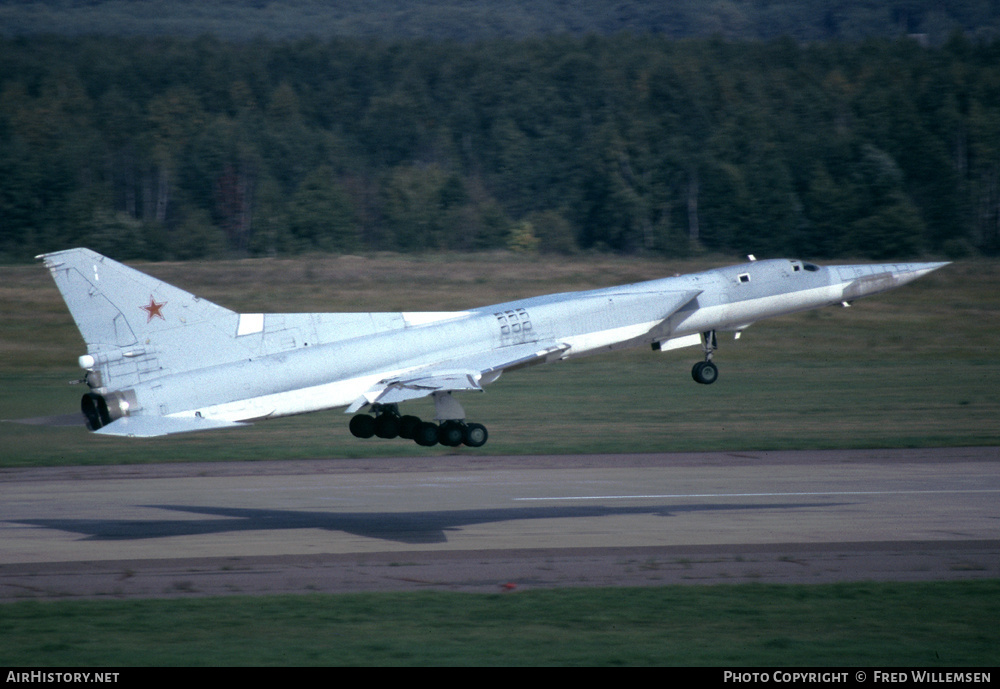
(115,306)
(137,329)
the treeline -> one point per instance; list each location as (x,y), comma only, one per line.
(175,148)
(474,20)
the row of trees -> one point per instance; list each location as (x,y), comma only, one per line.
(475,20)
(161,147)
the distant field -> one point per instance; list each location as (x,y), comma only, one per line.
(916,367)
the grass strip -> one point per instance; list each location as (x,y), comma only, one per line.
(856,624)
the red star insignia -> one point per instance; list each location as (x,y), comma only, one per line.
(154,310)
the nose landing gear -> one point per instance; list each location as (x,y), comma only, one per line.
(706,372)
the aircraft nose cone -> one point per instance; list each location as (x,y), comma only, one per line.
(908,272)
(865,280)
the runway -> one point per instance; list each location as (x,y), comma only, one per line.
(467,522)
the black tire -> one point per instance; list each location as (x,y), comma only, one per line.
(475,435)
(408,427)
(387,426)
(451,433)
(362,426)
(426,434)
(705,372)
(695,370)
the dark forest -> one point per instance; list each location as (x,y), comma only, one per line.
(171,147)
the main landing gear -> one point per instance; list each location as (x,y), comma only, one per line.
(388,423)
(706,372)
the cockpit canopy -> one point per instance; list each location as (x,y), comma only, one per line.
(799,265)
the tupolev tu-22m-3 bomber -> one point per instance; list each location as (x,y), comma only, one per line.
(161,360)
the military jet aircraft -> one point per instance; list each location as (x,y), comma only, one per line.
(161,360)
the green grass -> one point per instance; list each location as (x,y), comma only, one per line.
(868,624)
(915,367)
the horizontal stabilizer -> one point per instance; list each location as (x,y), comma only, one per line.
(152,426)
(57,420)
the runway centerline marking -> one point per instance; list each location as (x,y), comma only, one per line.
(758,495)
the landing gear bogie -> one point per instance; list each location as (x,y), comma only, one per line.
(450,433)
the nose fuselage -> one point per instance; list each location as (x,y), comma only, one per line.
(864,280)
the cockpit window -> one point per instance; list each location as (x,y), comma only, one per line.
(811,267)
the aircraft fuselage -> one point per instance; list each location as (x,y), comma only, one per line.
(183,358)
(336,374)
